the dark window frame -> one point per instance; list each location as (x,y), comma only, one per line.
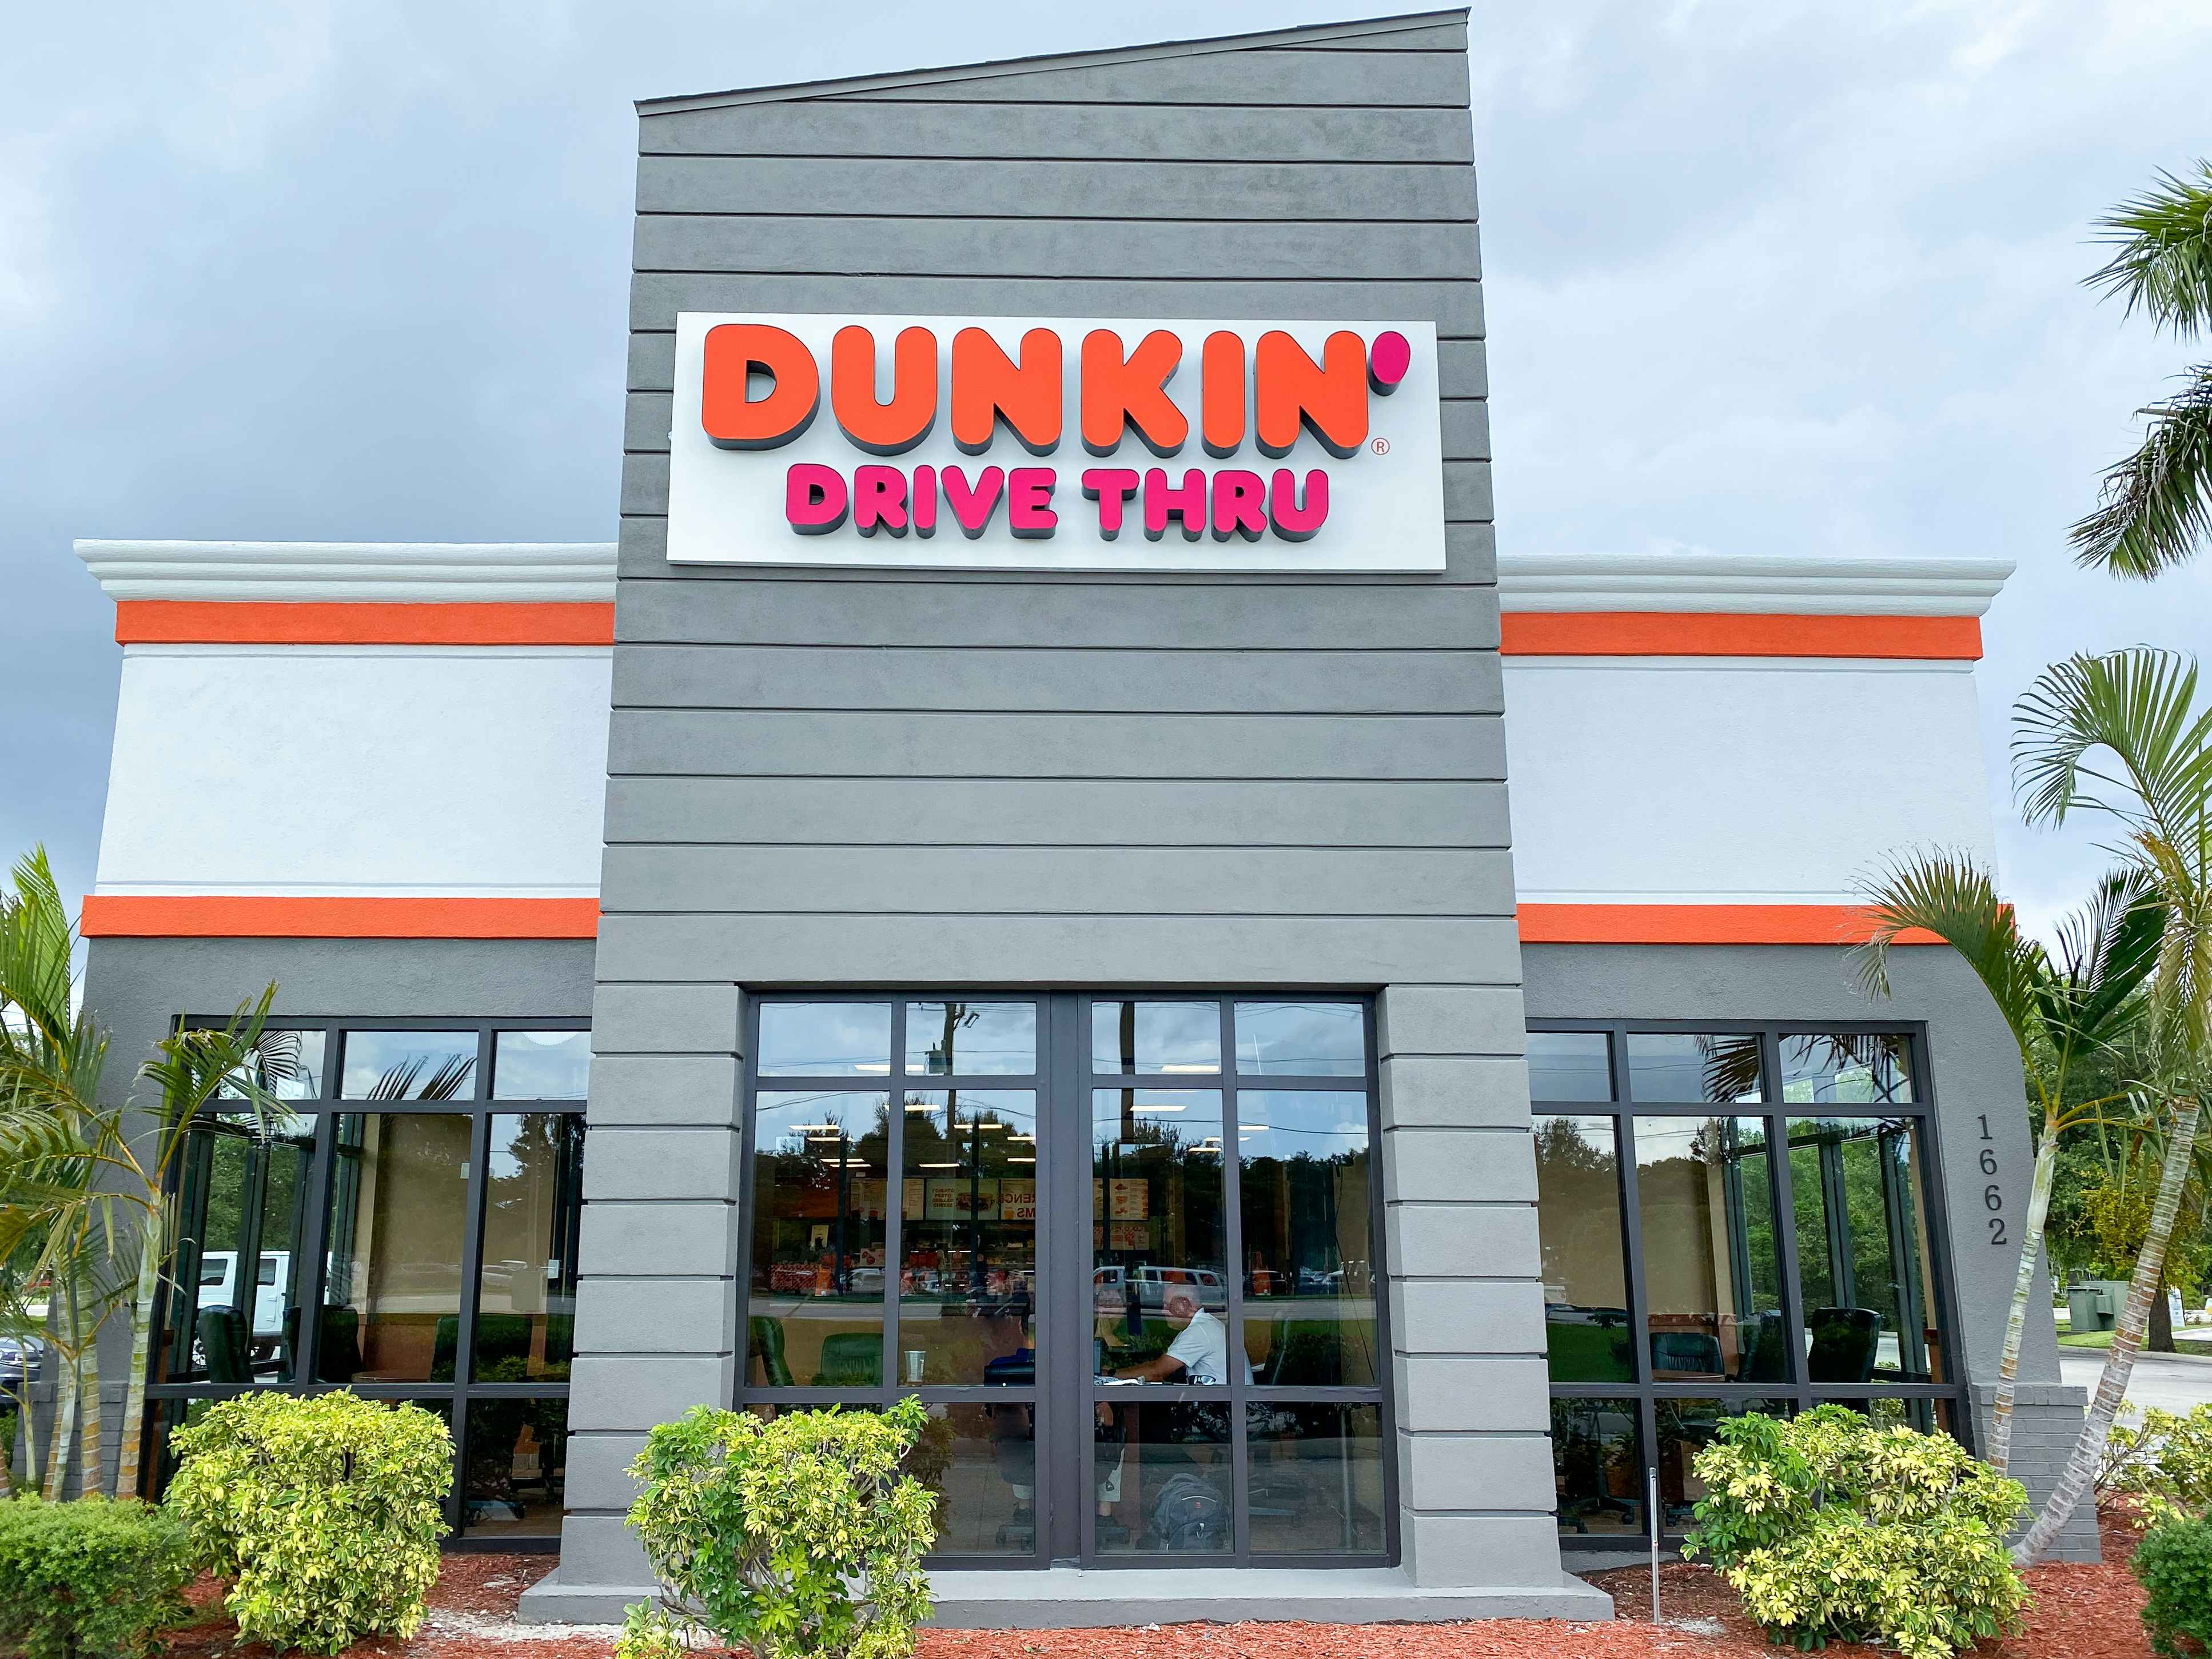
(1064,1394)
(1776,1114)
(479,1107)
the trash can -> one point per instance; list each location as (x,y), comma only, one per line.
(2090,1307)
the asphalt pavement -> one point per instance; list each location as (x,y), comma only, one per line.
(2172,1382)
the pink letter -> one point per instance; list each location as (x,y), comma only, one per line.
(972,504)
(1239,505)
(1028,502)
(814,498)
(1188,503)
(1288,519)
(924,507)
(1110,486)
(878,498)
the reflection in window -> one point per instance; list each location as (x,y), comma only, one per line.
(409,1065)
(1569,1066)
(526,1297)
(970,1039)
(1597,1467)
(1158,1233)
(1309,1284)
(1161,1477)
(1687,1427)
(968,1229)
(287,1065)
(820,1179)
(1862,1254)
(1666,1067)
(1861,1068)
(825,1039)
(980,1461)
(1301,1039)
(517,1468)
(1130,1038)
(1704,1196)
(242,1216)
(1585,1272)
(399,1197)
(1316,1478)
(541,1066)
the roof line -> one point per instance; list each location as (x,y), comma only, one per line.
(787,91)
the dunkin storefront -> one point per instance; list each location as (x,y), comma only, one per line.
(1004,885)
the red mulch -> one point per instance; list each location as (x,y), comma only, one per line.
(2085,1611)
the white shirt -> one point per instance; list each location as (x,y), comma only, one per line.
(1203,1348)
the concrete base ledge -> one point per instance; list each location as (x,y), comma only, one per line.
(1072,1598)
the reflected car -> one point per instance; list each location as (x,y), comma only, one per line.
(22,1361)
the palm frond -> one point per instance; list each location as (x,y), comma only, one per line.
(2162,257)
(2155,506)
(1951,896)
(2108,951)
(2118,735)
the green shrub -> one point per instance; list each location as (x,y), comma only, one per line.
(92,1578)
(2163,1465)
(323,1511)
(2174,1563)
(795,1537)
(1832,1527)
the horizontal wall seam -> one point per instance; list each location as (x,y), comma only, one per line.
(1287,222)
(1225,158)
(1113,103)
(1027,845)
(1072,915)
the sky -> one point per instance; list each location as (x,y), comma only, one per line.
(1761,277)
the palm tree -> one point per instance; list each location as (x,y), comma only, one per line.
(2059,1013)
(2120,735)
(2155,508)
(84,1188)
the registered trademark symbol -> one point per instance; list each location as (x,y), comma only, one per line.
(1381,446)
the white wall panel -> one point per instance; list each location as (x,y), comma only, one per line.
(1704,780)
(358,769)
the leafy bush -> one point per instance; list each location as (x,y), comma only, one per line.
(2163,1464)
(2174,1563)
(795,1537)
(94,1577)
(323,1511)
(1835,1528)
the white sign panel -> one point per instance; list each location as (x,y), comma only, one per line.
(1055,444)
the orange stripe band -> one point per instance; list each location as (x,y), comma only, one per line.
(1702,924)
(280,622)
(1729,634)
(227,915)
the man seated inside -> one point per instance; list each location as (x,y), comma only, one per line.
(1200,1354)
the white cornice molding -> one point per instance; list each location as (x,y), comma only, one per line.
(432,573)
(1749,583)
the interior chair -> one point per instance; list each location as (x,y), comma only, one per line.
(1766,1356)
(337,1353)
(764,1337)
(1696,1352)
(223,1342)
(851,1359)
(1309,1353)
(1845,1342)
(499,1337)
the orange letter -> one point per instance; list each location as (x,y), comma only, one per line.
(986,385)
(1116,392)
(735,352)
(894,427)
(1221,394)
(1329,400)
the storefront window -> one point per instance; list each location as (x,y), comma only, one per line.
(1715,1219)
(968,1272)
(820,1198)
(1585,1264)
(431,1238)
(1155,1219)
(1863,1249)
(1309,1277)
